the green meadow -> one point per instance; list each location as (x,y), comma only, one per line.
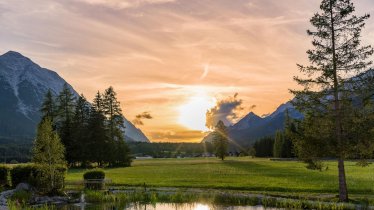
(247,174)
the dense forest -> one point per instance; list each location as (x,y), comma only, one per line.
(90,132)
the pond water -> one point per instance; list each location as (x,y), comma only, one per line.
(160,206)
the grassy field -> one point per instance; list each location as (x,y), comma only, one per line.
(238,174)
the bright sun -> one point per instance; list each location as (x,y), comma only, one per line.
(193,114)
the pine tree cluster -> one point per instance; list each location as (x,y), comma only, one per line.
(92,133)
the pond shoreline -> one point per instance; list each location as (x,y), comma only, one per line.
(160,195)
(193,195)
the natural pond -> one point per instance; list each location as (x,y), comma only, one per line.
(160,206)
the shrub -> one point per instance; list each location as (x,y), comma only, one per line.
(44,180)
(23,173)
(94,179)
(315,165)
(94,174)
(36,176)
(4,174)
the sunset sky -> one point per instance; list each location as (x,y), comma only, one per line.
(172,58)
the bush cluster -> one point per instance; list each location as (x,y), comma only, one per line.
(315,165)
(36,176)
(4,174)
(94,174)
(94,179)
(23,173)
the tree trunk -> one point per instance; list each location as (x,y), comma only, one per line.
(343,192)
(52,179)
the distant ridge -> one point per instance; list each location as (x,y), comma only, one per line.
(252,127)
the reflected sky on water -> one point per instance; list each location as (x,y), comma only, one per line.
(162,206)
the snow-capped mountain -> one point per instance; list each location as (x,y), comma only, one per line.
(23,85)
(252,127)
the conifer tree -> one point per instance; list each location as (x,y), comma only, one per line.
(114,118)
(79,150)
(98,103)
(327,95)
(113,113)
(283,146)
(220,140)
(99,142)
(65,112)
(122,154)
(65,104)
(48,151)
(278,144)
(48,109)
(264,147)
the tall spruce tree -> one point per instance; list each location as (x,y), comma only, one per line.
(79,150)
(48,109)
(65,104)
(327,95)
(113,113)
(115,127)
(287,150)
(279,141)
(99,141)
(283,146)
(98,103)
(122,154)
(65,113)
(220,140)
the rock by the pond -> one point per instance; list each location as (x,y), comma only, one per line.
(35,200)
(23,187)
(49,200)
(60,199)
(41,200)
(3,198)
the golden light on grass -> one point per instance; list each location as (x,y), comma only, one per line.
(192,114)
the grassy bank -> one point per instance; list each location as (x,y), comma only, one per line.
(238,174)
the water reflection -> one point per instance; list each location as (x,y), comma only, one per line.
(161,206)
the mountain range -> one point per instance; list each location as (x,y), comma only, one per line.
(252,127)
(23,85)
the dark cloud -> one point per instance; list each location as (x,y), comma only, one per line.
(140,117)
(227,110)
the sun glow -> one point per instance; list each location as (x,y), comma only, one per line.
(202,207)
(193,113)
